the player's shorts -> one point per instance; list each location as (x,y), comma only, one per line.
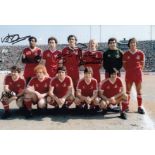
(134,76)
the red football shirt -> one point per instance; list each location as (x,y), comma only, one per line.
(61,87)
(133,60)
(93,59)
(87,89)
(29,67)
(52,60)
(111,89)
(40,86)
(17,86)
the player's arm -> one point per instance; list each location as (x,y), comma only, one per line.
(102,96)
(95,94)
(30,89)
(106,64)
(26,60)
(79,95)
(51,94)
(124,64)
(43,61)
(70,89)
(143,61)
(68,92)
(120,61)
(119,94)
(6,88)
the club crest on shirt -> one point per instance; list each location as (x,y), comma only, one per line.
(83,87)
(108,55)
(18,85)
(56,85)
(128,57)
(108,87)
(35,54)
(64,85)
(115,86)
(117,56)
(37,85)
(91,87)
(45,85)
(48,55)
(10,83)
(28,53)
(138,57)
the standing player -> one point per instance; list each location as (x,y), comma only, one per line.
(37,90)
(31,58)
(133,61)
(112,58)
(111,92)
(93,58)
(87,91)
(14,87)
(61,87)
(71,59)
(52,57)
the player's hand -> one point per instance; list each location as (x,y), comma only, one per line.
(88,100)
(24,56)
(40,96)
(14,97)
(62,100)
(112,100)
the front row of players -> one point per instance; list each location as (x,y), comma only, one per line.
(59,92)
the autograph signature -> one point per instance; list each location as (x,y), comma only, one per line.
(14,38)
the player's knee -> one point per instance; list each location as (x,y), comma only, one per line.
(70,98)
(42,103)
(96,101)
(19,103)
(125,96)
(103,104)
(77,101)
(49,99)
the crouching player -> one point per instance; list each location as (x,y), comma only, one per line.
(37,90)
(61,90)
(87,92)
(111,92)
(14,87)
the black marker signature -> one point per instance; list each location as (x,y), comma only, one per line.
(14,38)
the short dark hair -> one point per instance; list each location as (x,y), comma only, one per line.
(88,70)
(130,40)
(15,68)
(32,37)
(63,68)
(112,39)
(112,71)
(71,36)
(52,38)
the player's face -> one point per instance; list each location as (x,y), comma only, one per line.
(92,44)
(133,45)
(112,45)
(40,74)
(52,44)
(14,74)
(72,42)
(32,43)
(61,74)
(114,75)
(87,75)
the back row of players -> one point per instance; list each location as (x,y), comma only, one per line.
(53,76)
